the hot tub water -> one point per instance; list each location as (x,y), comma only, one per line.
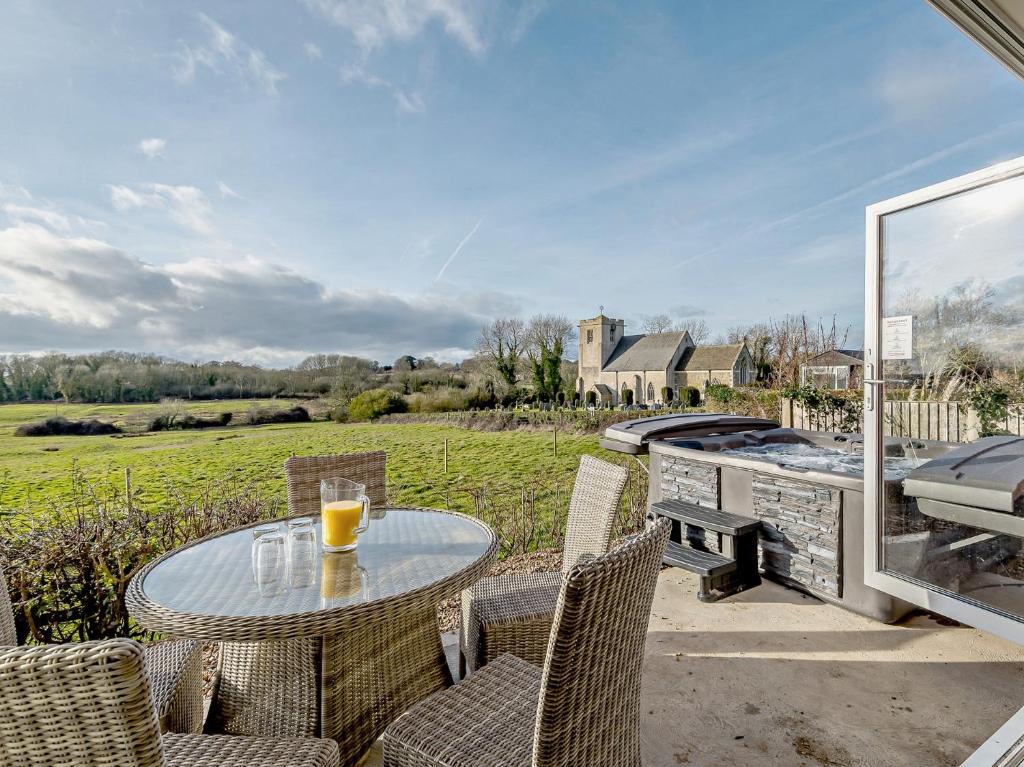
(804,456)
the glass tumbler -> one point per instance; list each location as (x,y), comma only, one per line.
(258,532)
(302,552)
(345,513)
(271,560)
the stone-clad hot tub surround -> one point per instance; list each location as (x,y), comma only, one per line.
(813,519)
(800,543)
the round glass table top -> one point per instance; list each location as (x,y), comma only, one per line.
(402,550)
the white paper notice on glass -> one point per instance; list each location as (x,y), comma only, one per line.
(898,337)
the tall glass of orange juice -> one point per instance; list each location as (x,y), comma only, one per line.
(344,513)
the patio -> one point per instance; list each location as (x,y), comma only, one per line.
(780,677)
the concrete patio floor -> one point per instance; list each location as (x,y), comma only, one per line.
(778,679)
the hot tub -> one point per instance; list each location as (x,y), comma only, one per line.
(806,488)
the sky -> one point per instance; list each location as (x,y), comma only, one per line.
(265,179)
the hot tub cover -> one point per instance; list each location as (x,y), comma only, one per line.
(634,436)
(987,474)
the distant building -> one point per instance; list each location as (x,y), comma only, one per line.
(834,369)
(611,361)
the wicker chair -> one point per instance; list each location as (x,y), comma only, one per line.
(252,671)
(175,669)
(304,474)
(513,613)
(90,705)
(582,708)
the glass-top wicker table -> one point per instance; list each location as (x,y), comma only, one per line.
(338,652)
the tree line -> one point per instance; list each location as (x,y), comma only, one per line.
(516,360)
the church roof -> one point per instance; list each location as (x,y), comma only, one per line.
(721,357)
(654,351)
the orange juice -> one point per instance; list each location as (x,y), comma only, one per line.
(340,575)
(340,520)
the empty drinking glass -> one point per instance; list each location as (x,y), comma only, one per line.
(258,532)
(302,552)
(270,561)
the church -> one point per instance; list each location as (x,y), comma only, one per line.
(610,362)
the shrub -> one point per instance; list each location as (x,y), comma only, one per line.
(692,396)
(374,403)
(627,396)
(840,410)
(445,400)
(720,392)
(188,421)
(69,560)
(481,398)
(591,397)
(666,394)
(991,400)
(296,414)
(59,426)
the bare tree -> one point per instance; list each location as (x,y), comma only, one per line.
(502,344)
(697,328)
(657,323)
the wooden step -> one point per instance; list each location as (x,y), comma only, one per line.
(716,520)
(703,563)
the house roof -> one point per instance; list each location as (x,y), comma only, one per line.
(837,358)
(654,351)
(721,357)
(604,390)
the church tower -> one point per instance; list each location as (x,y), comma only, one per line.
(598,338)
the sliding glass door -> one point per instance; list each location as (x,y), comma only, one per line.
(944,354)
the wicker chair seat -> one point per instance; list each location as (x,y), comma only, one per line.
(233,751)
(486,721)
(510,613)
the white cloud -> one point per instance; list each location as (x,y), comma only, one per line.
(187,205)
(529,11)
(312,51)
(373,23)
(408,102)
(913,85)
(29,213)
(153,147)
(227,192)
(223,52)
(77,294)
(412,103)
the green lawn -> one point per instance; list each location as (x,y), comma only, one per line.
(31,469)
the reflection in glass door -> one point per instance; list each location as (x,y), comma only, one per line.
(944,414)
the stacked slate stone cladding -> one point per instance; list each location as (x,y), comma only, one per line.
(693,482)
(801,541)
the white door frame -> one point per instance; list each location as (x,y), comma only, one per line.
(955,607)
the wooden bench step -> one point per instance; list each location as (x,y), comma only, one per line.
(703,563)
(716,520)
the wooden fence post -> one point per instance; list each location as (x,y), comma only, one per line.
(554,442)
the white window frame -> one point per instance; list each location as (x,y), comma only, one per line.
(916,593)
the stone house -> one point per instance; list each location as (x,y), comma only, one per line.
(834,369)
(611,362)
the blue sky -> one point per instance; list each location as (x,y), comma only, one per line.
(261,180)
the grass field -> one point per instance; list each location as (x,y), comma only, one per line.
(32,468)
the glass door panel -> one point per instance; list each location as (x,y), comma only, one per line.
(946,336)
